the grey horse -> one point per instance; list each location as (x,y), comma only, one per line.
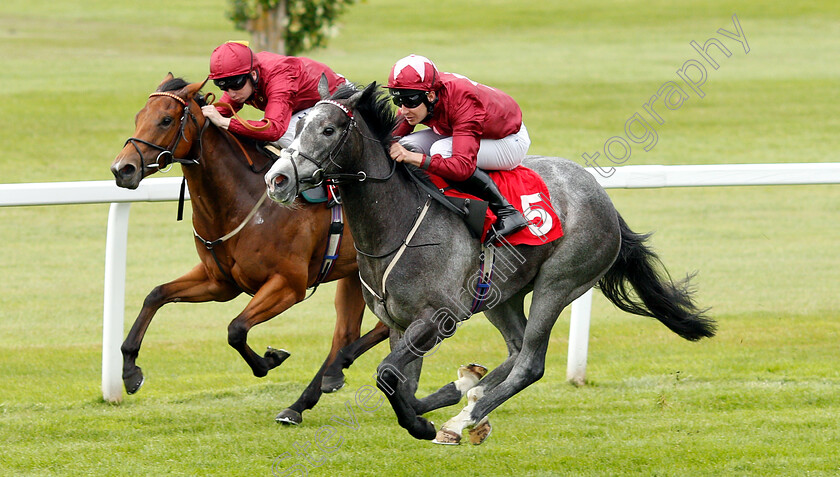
(416,259)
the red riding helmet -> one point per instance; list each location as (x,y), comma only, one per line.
(231,59)
(414,72)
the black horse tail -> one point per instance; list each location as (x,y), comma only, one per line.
(656,294)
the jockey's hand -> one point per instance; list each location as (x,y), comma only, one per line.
(211,113)
(401,154)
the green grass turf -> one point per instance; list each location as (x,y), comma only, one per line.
(759,399)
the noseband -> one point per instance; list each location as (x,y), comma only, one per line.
(320,175)
(160,162)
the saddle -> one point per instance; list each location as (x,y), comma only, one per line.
(523,188)
(473,211)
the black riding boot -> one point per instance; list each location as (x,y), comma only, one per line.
(508,219)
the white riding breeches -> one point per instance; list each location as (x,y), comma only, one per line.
(493,154)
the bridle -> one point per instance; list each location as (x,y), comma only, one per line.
(160,162)
(320,175)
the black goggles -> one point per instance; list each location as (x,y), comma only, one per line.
(411,100)
(231,82)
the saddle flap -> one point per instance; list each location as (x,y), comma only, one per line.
(269,150)
(316,195)
(474,211)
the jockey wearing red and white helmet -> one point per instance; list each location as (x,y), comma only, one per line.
(471,127)
(285,87)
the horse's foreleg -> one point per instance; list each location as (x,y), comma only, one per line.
(395,381)
(274,297)
(348,354)
(468,377)
(350,307)
(509,319)
(195,286)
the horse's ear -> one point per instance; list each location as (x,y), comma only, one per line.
(364,94)
(324,86)
(369,90)
(169,77)
(194,88)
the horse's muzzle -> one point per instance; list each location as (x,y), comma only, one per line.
(126,174)
(279,187)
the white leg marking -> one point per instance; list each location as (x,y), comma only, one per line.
(462,420)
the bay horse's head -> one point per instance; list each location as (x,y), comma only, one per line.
(330,140)
(166,130)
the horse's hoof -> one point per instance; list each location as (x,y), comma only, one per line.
(475,369)
(133,380)
(447,438)
(331,384)
(275,357)
(424,430)
(480,432)
(289,417)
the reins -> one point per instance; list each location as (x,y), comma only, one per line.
(243,122)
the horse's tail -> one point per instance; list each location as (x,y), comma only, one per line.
(656,294)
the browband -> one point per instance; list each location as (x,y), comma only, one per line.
(173,96)
(344,108)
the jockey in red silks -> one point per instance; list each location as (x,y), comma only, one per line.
(470,127)
(285,87)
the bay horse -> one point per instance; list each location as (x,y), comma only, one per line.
(415,258)
(275,255)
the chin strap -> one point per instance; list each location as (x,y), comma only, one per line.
(430,107)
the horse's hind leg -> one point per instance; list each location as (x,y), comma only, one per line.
(312,393)
(346,345)
(529,365)
(195,287)
(345,357)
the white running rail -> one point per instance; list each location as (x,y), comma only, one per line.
(167,189)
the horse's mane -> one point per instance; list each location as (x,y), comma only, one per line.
(375,108)
(177,84)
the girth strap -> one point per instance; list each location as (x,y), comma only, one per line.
(333,245)
(211,244)
(397,256)
(485,276)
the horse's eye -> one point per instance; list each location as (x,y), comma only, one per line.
(166,121)
(328,131)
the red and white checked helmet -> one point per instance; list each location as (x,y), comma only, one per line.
(414,72)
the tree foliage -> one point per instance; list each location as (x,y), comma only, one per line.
(288,26)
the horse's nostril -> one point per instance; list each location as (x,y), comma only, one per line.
(127,171)
(279,179)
